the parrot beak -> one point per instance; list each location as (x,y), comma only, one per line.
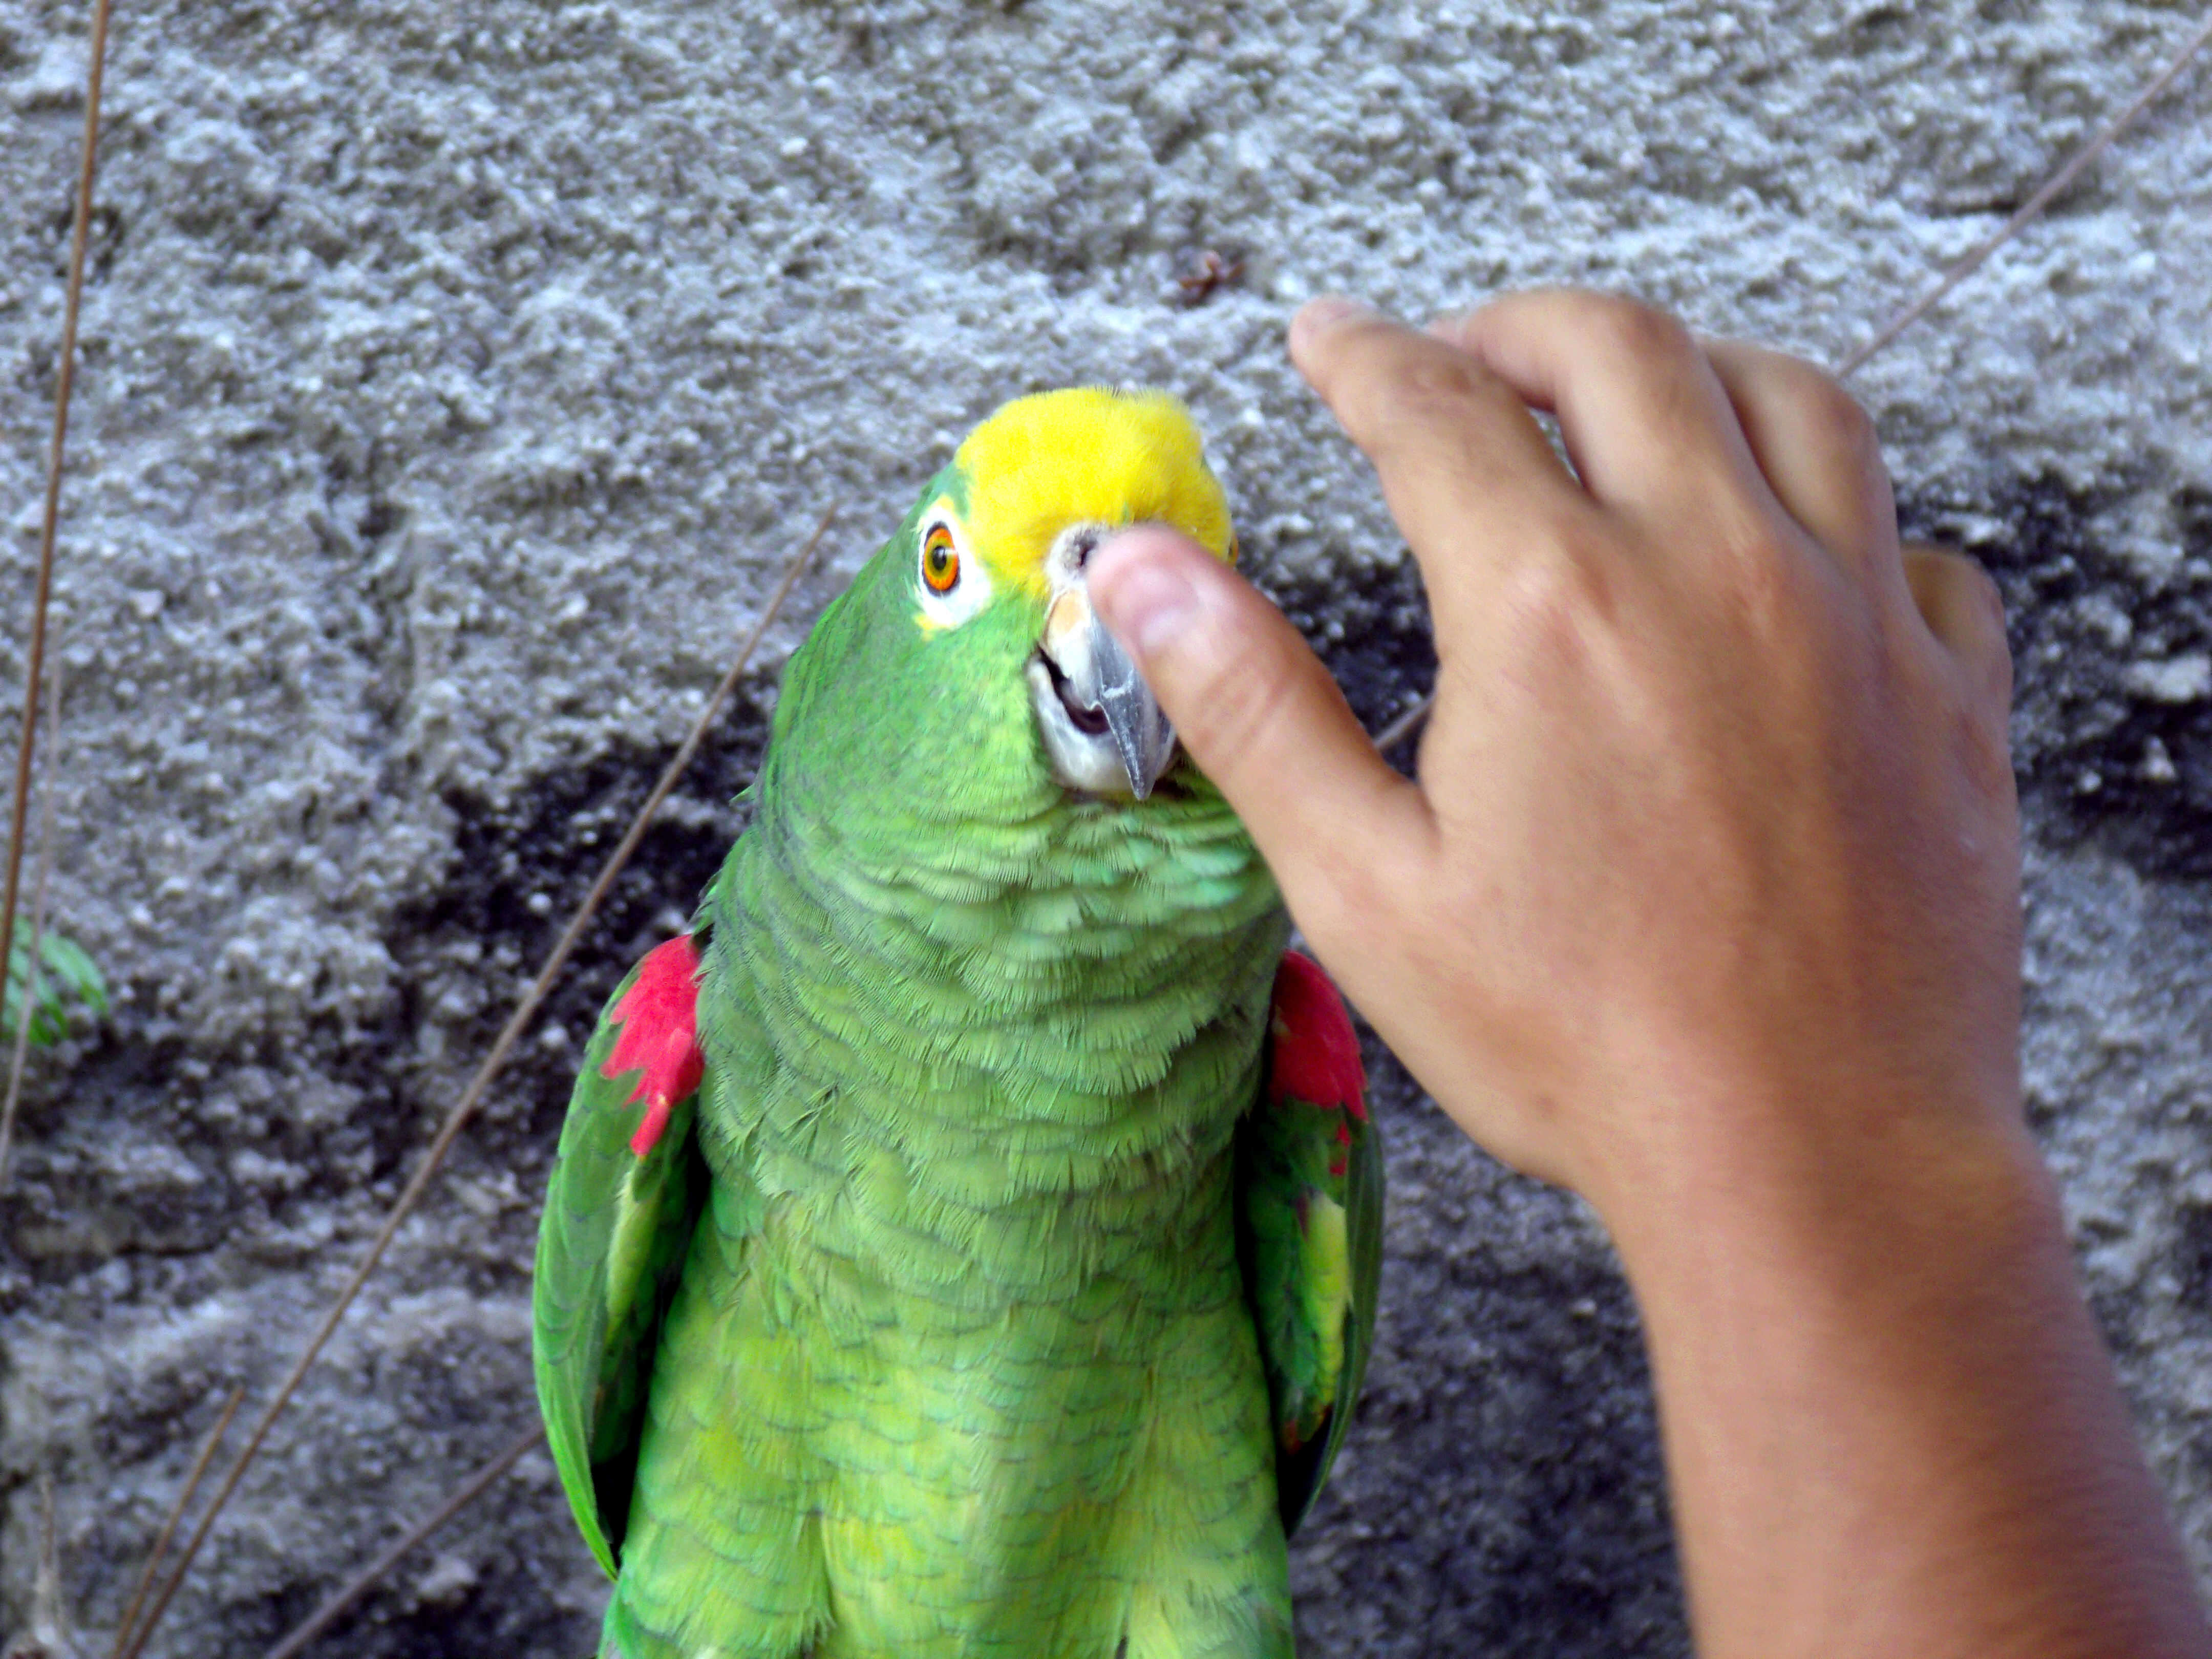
(1101,724)
(1141,734)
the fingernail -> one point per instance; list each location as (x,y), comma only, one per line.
(1146,607)
(1329,310)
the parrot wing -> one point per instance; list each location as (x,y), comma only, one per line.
(627,1186)
(1310,1212)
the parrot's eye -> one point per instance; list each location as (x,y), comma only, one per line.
(955,586)
(940,560)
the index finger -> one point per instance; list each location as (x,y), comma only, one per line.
(1467,473)
(1644,417)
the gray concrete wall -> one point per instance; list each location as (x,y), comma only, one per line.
(456,379)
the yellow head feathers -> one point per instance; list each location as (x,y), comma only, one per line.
(1084,456)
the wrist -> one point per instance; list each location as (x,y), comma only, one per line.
(1889,1423)
(1809,1192)
(1809,1157)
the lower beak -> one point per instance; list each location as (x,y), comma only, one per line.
(1102,693)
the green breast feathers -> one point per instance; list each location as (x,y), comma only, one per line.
(964,1240)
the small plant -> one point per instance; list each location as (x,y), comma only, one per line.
(68,976)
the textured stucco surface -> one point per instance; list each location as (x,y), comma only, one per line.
(455,380)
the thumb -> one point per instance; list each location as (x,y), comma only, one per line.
(1261,715)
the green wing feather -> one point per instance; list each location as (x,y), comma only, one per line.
(1365,1205)
(1309,1205)
(616,1229)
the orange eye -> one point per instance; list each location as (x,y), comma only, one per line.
(940,560)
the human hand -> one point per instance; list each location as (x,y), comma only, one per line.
(1713,849)
(1706,903)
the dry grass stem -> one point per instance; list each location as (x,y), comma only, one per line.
(370,1576)
(134,1632)
(2032,208)
(1403,726)
(64,378)
(31,959)
(1410,722)
(177,1514)
(466,1108)
(47,1635)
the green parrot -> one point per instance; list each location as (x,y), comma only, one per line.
(964,1240)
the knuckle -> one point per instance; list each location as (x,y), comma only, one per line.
(1986,594)
(1741,535)
(1839,423)
(1632,330)
(1555,600)
(1760,570)
(1984,747)
(1966,609)
(2001,671)
(1763,585)
(1994,647)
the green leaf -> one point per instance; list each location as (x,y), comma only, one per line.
(69,976)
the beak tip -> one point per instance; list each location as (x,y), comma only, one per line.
(1107,681)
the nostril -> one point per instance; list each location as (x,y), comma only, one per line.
(1086,543)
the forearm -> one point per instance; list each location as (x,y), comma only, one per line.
(1890,1425)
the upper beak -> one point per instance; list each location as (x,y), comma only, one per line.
(1103,692)
(1141,733)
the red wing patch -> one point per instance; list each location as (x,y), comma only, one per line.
(1315,1056)
(659,1038)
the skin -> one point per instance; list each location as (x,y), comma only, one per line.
(1705,904)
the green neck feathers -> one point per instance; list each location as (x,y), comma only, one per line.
(984,989)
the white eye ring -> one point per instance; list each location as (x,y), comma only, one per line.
(951,583)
